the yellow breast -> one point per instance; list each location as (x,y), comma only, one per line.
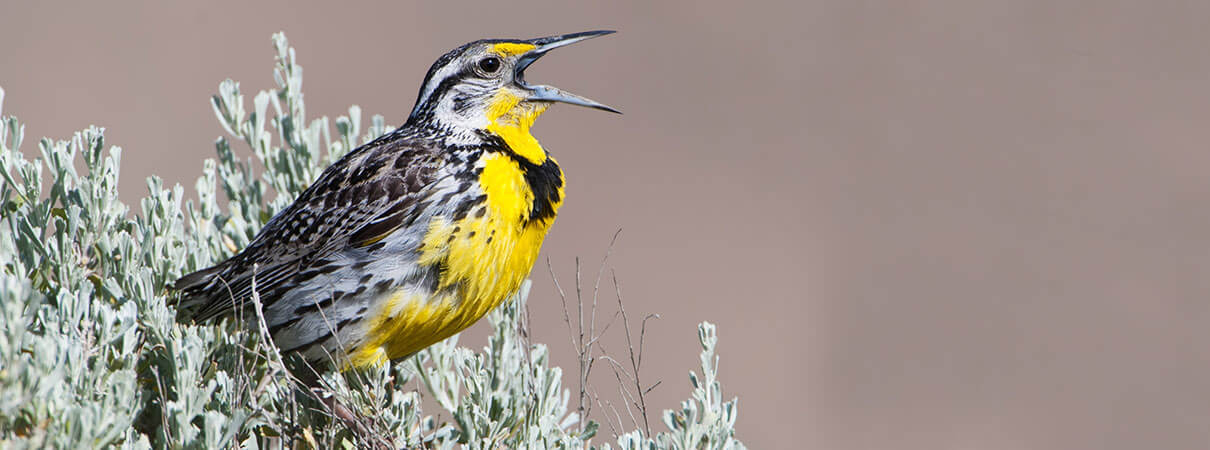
(485,258)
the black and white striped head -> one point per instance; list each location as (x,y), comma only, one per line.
(480,83)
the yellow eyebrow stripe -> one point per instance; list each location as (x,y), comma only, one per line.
(511,48)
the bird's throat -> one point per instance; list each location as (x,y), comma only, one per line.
(510,118)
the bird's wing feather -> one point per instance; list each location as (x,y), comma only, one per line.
(357,201)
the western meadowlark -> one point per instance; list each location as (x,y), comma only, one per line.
(413,237)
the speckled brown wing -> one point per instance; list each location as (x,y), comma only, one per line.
(363,197)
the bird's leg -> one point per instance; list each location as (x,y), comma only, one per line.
(356,423)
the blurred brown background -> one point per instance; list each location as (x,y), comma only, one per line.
(918,224)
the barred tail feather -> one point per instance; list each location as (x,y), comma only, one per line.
(194,295)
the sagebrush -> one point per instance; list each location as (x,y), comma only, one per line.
(91,356)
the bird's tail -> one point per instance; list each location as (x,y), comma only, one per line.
(194,292)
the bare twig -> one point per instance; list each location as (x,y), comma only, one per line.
(581,367)
(636,358)
(609,421)
(584,336)
(159,381)
(596,287)
(563,299)
(618,371)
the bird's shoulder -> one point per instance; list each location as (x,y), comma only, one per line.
(385,176)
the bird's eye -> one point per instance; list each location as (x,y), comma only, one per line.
(489,64)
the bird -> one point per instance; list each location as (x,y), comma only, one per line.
(414,236)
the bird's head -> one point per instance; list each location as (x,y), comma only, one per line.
(481,85)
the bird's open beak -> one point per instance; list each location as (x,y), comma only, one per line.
(551,93)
